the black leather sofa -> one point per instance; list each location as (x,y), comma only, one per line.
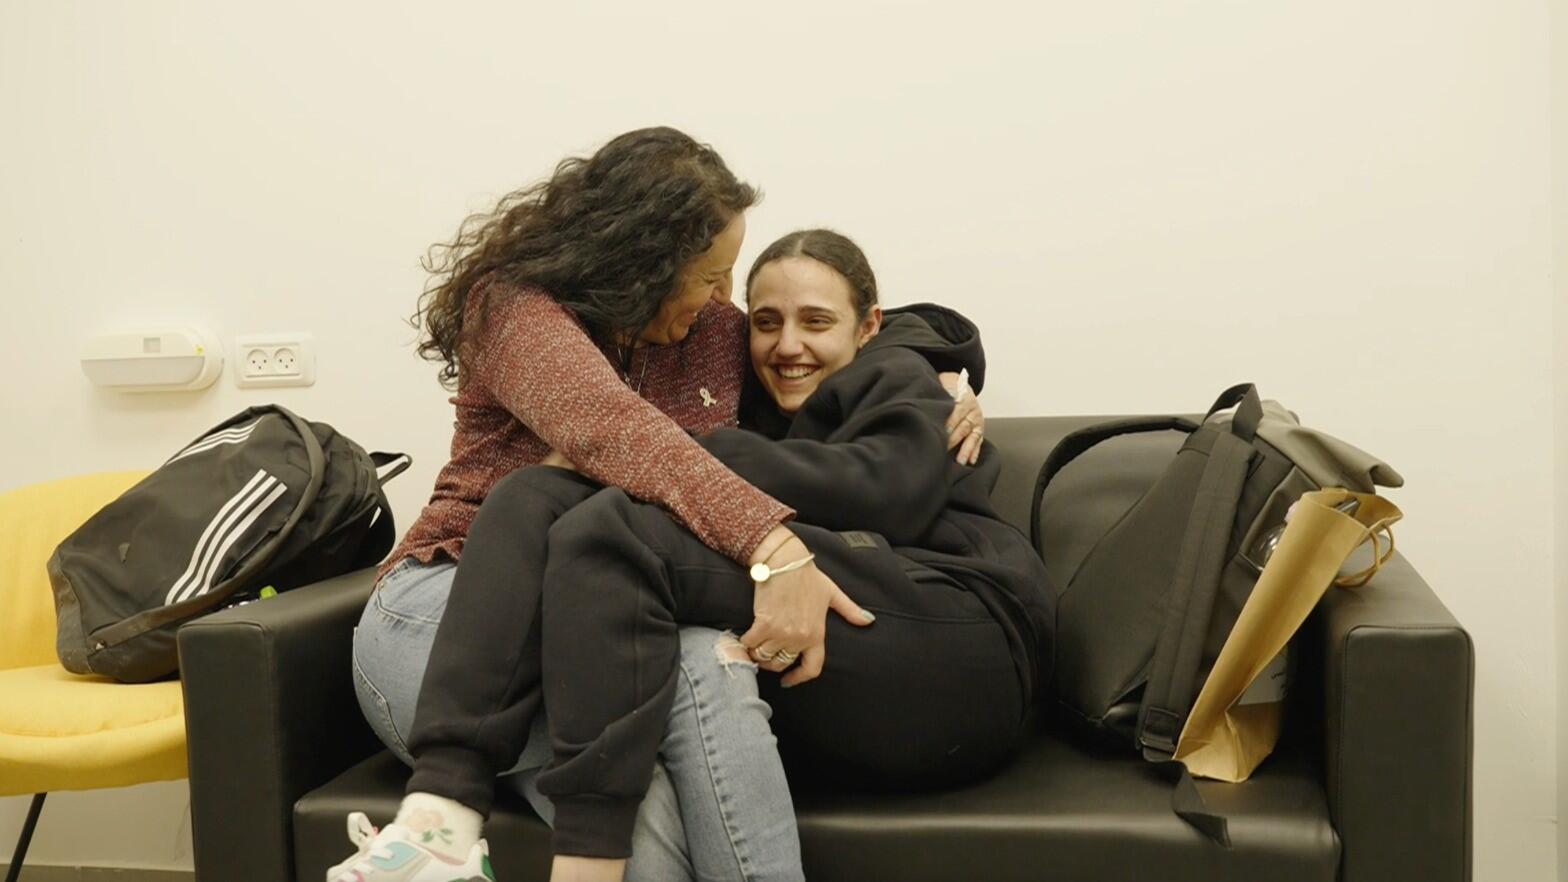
(1371,783)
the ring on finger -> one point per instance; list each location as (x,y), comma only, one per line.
(759,655)
(785,657)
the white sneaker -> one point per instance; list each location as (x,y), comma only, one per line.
(394,854)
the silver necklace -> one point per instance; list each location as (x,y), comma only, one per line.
(626,357)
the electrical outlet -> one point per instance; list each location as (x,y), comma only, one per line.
(285,359)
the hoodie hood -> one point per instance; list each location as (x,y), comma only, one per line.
(947,340)
(944,338)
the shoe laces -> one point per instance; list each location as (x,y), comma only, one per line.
(360,830)
(363,834)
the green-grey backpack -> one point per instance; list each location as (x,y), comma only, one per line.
(1143,614)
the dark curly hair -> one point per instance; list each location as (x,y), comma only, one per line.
(833,249)
(606,236)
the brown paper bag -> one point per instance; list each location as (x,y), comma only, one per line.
(1232,727)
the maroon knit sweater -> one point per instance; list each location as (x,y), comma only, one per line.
(534,381)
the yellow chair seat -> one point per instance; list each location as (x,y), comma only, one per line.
(64,731)
(58,730)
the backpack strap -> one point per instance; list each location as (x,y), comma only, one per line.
(1079,443)
(1173,674)
(1205,546)
(382,535)
(1187,803)
(152,619)
(399,462)
(379,540)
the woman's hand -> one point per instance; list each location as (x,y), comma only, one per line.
(790,611)
(557,459)
(966,424)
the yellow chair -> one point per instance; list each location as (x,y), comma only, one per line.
(58,730)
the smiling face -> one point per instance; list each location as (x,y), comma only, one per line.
(803,327)
(708,276)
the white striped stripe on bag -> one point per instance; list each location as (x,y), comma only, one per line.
(231,522)
(218,439)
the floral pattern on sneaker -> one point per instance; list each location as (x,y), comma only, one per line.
(428,824)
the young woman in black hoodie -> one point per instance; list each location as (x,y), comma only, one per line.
(847,426)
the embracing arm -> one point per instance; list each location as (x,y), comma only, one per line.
(539,364)
(868,452)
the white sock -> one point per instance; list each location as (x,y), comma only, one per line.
(440,824)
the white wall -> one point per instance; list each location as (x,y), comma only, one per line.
(1559,189)
(1140,202)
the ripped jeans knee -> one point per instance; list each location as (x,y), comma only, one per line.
(729,651)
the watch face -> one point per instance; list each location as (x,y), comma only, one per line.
(759,572)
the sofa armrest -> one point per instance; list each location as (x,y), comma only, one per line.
(1399,682)
(270,713)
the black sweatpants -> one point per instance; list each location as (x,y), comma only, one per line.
(481,687)
(927,695)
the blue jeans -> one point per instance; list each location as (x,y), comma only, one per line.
(718,807)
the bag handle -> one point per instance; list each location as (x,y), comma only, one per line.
(1383,527)
(1078,443)
(1249,409)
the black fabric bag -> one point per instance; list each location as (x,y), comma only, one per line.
(1157,567)
(1158,586)
(264,499)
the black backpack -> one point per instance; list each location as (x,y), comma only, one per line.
(1147,608)
(1157,566)
(264,499)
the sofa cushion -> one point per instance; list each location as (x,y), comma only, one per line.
(1057,812)
(1063,813)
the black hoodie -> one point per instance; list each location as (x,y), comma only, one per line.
(868,451)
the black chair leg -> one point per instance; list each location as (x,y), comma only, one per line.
(26,838)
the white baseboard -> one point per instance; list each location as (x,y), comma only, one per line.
(32,873)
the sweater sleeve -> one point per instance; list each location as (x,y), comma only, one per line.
(536,361)
(884,468)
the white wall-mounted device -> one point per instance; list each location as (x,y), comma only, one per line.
(167,359)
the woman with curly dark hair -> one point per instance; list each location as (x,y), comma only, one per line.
(585,321)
